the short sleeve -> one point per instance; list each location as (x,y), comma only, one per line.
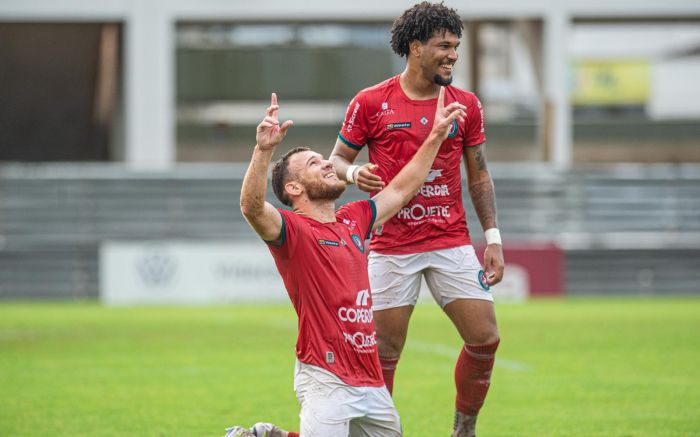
(354,129)
(284,247)
(475,134)
(360,214)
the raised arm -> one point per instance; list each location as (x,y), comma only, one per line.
(261,215)
(483,195)
(412,176)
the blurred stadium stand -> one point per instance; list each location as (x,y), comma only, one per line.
(592,110)
(624,229)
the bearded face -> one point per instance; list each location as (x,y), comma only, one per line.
(324,189)
(442,81)
(317,176)
(438,56)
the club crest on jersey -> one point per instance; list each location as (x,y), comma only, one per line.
(399,125)
(358,242)
(453,130)
(482,280)
(323,242)
(424,121)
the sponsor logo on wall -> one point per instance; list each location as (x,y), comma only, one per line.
(177,272)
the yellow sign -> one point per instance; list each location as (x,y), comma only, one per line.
(611,82)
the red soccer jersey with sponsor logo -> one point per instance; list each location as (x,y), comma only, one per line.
(394,127)
(324,268)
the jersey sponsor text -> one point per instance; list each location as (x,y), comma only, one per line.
(434,190)
(419,212)
(362,342)
(360,314)
(351,122)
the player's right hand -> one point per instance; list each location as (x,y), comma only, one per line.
(366,180)
(269,133)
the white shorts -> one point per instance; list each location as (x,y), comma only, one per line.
(330,407)
(451,274)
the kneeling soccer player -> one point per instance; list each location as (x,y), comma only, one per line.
(320,254)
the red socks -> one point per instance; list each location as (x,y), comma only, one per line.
(292,434)
(388,370)
(473,376)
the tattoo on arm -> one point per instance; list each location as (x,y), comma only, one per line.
(481,188)
(480,158)
(484,201)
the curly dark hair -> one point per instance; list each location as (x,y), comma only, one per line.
(421,22)
(280,174)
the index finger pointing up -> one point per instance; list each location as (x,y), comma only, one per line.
(441,98)
(272,110)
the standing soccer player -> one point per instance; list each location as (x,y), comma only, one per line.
(320,255)
(429,236)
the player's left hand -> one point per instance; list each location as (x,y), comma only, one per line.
(493,264)
(367,180)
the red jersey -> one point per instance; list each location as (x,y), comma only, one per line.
(324,268)
(393,127)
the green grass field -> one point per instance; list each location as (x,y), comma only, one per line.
(570,367)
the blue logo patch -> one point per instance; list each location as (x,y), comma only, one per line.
(482,281)
(424,121)
(453,130)
(358,242)
(323,242)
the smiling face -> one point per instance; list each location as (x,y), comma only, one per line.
(314,175)
(436,57)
